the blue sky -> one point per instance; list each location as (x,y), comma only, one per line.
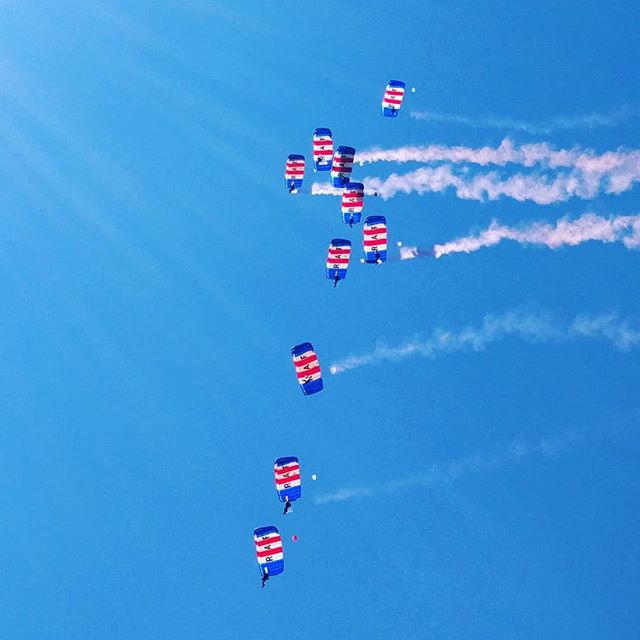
(155,274)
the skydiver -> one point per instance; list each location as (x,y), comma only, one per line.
(351,222)
(377,256)
(287,506)
(335,280)
(265,577)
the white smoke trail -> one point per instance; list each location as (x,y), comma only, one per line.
(586,161)
(444,473)
(410,253)
(625,229)
(587,175)
(559,123)
(531,327)
(325,189)
(491,186)
(517,451)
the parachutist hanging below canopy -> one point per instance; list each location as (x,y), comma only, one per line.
(294,172)
(269,552)
(322,150)
(338,259)
(392,99)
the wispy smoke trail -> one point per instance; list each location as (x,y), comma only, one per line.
(559,123)
(587,161)
(531,327)
(586,175)
(444,473)
(492,186)
(410,253)
(625,229)
(325,189)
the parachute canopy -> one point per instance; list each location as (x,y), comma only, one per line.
(375,239)
(307,367)
(338,259)
(322,149)
(294,171)
(269,552)
(392,99)
(342,166)
(352,202)
(287,476)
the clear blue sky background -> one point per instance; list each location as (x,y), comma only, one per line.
(155,274)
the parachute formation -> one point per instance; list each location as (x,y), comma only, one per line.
(352,203)
(307,368)
(392,99)
(375,240)
(338,259)
(287,474)
(294,172)
(322,149)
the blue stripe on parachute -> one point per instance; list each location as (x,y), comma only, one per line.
(370,256)
(273,568)
(292,493)
(352,218)
(315,385)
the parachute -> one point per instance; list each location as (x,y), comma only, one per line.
(287,476)
(294,171)
(269,552)
(392,99)
(342,166)
(307,368)
(322,149)
(352,202)
(338,259)
(375,239)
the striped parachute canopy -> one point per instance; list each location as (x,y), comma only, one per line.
(307,367)
(338,259)
(269,552)
(392,100)
(322,150)
(294,171)
(352,202)
(287,475)
(375,239)
(342,166)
